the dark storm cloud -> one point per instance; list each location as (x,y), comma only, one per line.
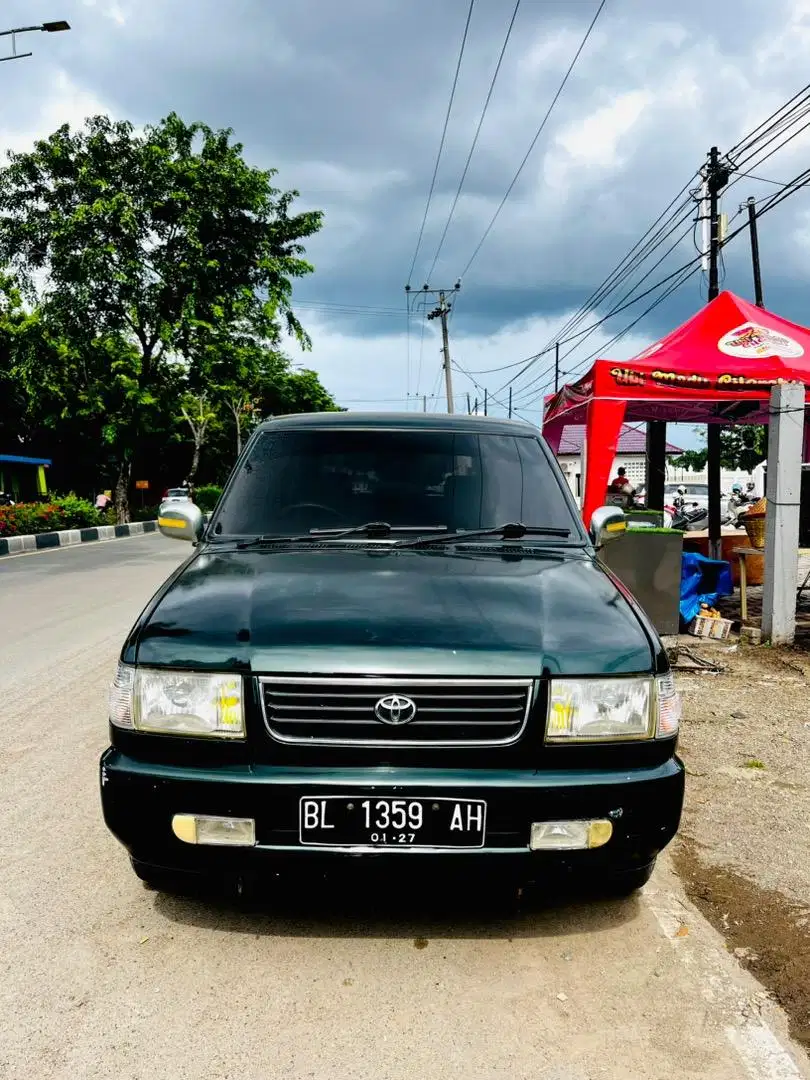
(347,100)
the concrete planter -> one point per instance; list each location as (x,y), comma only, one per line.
(648,562)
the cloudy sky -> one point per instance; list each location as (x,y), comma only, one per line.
(348,99)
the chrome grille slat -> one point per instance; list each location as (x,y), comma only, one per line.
(339,711)
(415,696)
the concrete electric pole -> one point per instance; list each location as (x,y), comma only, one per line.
(441,311)
(715,178)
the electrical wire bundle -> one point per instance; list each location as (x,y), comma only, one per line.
(670,229)
(408,313)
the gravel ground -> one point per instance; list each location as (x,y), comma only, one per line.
(746,743)
(744,846)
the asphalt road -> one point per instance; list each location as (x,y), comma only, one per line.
(100,977)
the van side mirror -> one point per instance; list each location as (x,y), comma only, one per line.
(607,523)
(181,521)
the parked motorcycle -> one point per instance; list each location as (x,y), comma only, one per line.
(6,499)
(687,517)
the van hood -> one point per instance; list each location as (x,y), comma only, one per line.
(375,610)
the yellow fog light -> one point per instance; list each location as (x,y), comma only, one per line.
(217,831)
(599,832)
(569,835)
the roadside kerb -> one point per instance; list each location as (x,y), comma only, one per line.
(18,545)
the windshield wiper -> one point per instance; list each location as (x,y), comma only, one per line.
(374,530)
(513,530)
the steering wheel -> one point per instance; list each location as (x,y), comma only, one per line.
(310,506)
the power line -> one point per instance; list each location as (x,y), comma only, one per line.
(407,347)
(800,181)
(750,137)
(770,122)
(475,141)
(685,276)
(642,250)
(478,386)
(622,306)
(369,312)
(532,144)
(441,142)
(762,132)
(421,351)
(378,401)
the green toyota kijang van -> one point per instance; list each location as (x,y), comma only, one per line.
(393,644)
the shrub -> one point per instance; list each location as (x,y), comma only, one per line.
(206,497)
(143,513)
(62,512)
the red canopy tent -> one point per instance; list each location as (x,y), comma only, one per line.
(719,367)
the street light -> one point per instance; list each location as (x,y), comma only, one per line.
(48,28)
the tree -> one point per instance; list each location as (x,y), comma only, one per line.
(742,447)
(197,413)
(129,243)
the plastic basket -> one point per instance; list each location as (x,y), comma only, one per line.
(706,627)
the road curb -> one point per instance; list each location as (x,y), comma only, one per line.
(18,545)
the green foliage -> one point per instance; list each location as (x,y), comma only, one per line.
(654,530)
(741,448)
(65,512)
(143,513)
(207,496)
(156,270)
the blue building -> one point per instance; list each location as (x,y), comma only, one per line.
(24,478)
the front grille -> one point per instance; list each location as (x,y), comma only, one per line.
(346,712)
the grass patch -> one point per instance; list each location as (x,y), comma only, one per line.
(653,530)
(754,763)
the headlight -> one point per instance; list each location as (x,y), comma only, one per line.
(178,703)
(612,710)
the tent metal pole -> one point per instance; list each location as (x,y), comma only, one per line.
(717,178)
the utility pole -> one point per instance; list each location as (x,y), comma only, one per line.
(510,402)
(475,408)
(752,223)
(469,408)
(486,399)
(715,179)
(424,402)
(441,311)
(556,367)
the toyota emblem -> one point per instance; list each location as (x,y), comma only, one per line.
(395,710)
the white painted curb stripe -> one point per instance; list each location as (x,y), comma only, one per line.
(762,1053)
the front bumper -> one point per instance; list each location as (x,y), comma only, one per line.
(139,800)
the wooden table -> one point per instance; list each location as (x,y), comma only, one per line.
(742,553)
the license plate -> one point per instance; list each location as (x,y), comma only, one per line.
(347,821)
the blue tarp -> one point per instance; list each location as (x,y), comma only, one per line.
(703,581)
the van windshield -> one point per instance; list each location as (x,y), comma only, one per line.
(294,481)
